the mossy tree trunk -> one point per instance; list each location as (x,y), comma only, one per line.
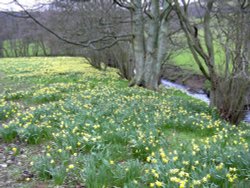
(149,42)
(229,97)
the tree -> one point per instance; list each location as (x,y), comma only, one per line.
(20,36)
(104,24)
(149,32)
(149,22)
(225,24)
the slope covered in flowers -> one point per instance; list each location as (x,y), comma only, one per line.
(94,131)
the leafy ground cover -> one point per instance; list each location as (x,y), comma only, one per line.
(65,123)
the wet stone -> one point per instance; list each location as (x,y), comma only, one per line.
(23,156)
(3,165)
(9,162)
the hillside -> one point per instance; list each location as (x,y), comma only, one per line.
(65,123)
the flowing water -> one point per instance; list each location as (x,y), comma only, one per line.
(201,95)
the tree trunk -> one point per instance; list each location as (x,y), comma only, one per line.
(138,44)
(152,48)
(149,45)
(229,96)
(35,49)
(229,92)
(13,48)
(1,49)
(5,53)
(43,48)
(247,45)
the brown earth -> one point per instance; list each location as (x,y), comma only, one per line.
(15,170)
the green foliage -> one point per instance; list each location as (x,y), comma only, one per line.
(7,109)
(46,94)
(8,133)
(96,131)
(10,95)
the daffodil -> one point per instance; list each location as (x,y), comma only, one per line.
(159,184)
(71,166)
(14,150)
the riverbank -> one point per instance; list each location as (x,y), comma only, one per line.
(195,83)
(201,95)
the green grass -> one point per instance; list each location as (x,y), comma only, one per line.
(94,131)
(184,58)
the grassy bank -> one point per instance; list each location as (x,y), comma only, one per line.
(83,127)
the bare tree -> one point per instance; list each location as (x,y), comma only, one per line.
(224,23)
(150,34)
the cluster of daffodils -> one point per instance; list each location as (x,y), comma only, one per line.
(7,109)
(199,164)
(103,134)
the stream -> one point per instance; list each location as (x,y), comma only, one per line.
(201,95)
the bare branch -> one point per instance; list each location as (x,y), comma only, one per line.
(89,44)
(124,4)
(146,7)
(14,14)
(193,42)
(166,12)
